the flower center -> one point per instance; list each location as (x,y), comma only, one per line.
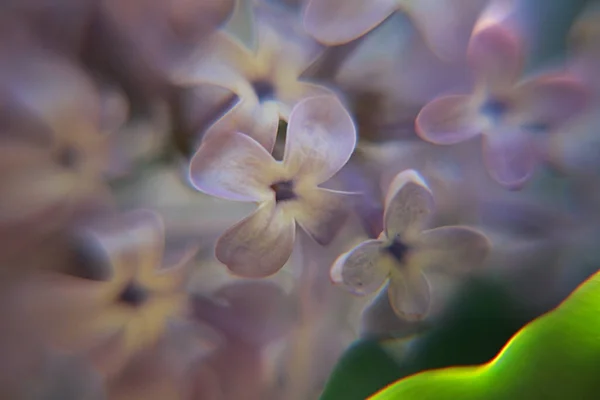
(398,250)
(284,191)
(134,294)
(495,108)
(67,157)
(264,89)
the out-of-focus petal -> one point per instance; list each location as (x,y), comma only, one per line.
(214,72)
(321,136)
(321,213)
(259,245)
(496,57)
(448,120)
(233,166)
(408,204)
(510,156)
(259,121)
(410,294)
(363,269)
(256,312)
(334,22)
(552,100)
(452,249)
(134,240)
(292,91)
(447,29)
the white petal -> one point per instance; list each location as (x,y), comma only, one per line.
(321,137)
(408,204)
(233,166)
(259,245)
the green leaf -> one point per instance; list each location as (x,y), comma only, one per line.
(557,356)
(363,369)
(479,322)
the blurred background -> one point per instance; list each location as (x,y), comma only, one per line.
(109,284)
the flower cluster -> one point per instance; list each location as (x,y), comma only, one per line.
(186,185)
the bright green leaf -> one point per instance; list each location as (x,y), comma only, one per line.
(557,356)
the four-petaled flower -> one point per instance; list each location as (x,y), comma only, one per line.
(445,24)
(320,139)
(404,252)
(117,312)
(266,81)
(509,114)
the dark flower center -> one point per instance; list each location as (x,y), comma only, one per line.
(134,294)
(67,157)
(284,191)
(398,250)
(495,108)
(264,89)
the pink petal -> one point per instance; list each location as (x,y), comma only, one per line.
(410,295)
(259,121)
(233,166)
(448,120)
(495,55)
(408,204)
(552,100)
(510,157)
(334,22)
(363,269)
(322,213)
(320,139)
(452,249)
(259,245)
(447,29)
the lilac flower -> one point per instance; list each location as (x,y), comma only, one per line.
(114,315)
(320,139)
(445,24)
(507,112)
(266,81)
(404,252)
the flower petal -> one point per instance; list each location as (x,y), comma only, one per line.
(334,22)
(496,57)
(259,121)
(410,294)
(552,100)
(510,157)
(363,269)
(321,213)
(321,137)
(233,166)
(448,120)
(259,245)
(447,30)
(452,249)
(408,204)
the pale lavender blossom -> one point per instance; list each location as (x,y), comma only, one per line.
(320,139)
(513,116)
(404,253)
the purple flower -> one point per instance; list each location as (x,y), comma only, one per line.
(320,139)
(510,114)
(404,252)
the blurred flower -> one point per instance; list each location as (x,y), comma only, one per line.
(141,41)
(251,315)
(403,253)
(53,151)
(266,81)
(320,139)
(510,115)
(112,313)
(61,26)
(445,25)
